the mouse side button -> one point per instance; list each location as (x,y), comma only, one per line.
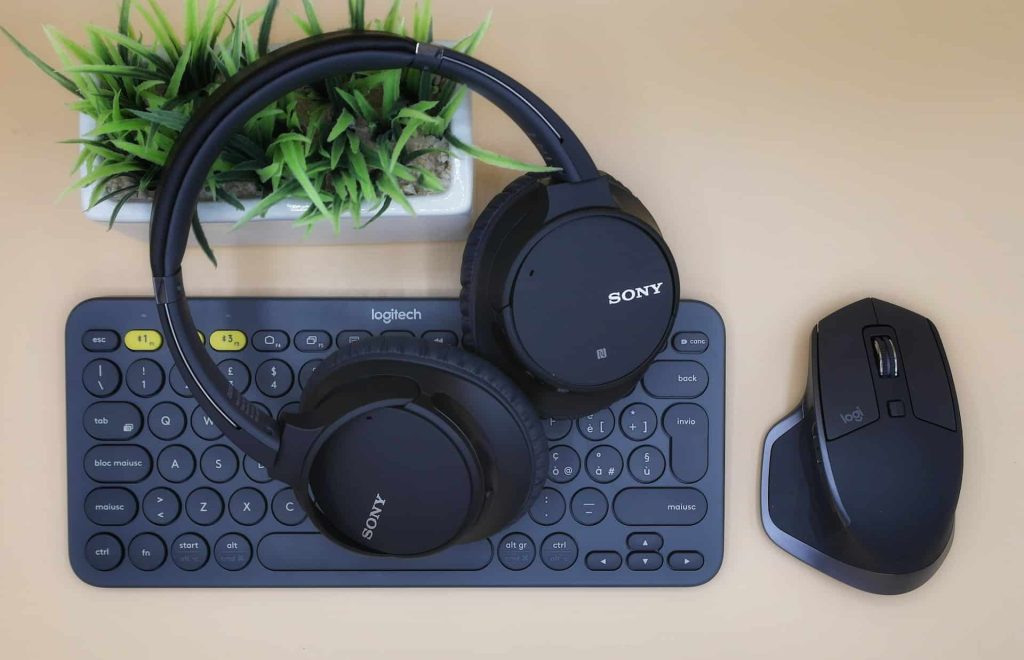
(845,386)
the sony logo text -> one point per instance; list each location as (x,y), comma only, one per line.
(615,297)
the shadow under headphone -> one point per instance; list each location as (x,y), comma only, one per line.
(404,447)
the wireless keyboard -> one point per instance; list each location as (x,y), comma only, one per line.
(158,498)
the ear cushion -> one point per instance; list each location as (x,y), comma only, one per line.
(453,360)
(478,238)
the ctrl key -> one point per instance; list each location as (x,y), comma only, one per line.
(189,552)
(103,552)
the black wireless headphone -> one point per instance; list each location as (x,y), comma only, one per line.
(401,446)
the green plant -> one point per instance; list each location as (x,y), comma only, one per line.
(354,143)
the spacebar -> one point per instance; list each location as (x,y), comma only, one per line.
(312,552)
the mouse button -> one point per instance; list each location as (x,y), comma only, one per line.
(844,366)
(924,364)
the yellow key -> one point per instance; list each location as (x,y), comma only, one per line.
(227,340)
(143,340)
(202,337)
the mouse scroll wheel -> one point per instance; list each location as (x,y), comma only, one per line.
(885,352)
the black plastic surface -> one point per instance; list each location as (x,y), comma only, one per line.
(281,548)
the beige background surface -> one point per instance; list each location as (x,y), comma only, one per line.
(799,154)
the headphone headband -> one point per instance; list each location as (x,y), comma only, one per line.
(242,96)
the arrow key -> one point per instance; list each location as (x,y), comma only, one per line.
(604,560)
(685,561)
(644,561)
(644,541)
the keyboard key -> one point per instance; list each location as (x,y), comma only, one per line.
(189,552)
(346,337)
(559,552)
(597,426)
(232,552)
(445,337)
(589,506)
(649,541)
(204,506)
(255,470)
(219,463)
(397,333)
(306,372)
(274,378)
(687,426)
(564,464)
(236,373)
(638,422)
(644,561)
(144,378)
(312,341)
(556,429)
(685,561)
(690,342)
(286,509)
(166,420)
(247,506)
(604,464)
(313,552)
(203,426)
(548,508)
(161,506)
(516,551)
(178,383)
(100,341)
(228,340)
(101,378)
(111,506)
(646,464)
(112,420)
(660,506)
(603,560)
(270,341)
(117,464)
(175,464)
(143,340)
(103,552)
(147,552)
(289,408)
(676,379)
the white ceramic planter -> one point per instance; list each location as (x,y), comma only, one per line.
(442,216)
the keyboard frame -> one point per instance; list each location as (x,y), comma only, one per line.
(253,314)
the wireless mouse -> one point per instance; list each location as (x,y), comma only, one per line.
(861,481)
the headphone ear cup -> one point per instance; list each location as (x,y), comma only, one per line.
(476,243)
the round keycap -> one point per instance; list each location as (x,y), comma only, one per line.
(146,552)
(589,506)
(564,464)
(236,373)
(646,464)
(144,378)
(289,408)
(176,464)
(103,552)
(203,426)
(161,506)
(204,506)
(219,463)
(255,470)
(548,508)
(101,378)
(232,551)
(274,378)
(178,383)
(111,506)
(286,509)
(166,421)
(638,421)
(604,464)
(516,552)
(189,552)
(558,552)
(597,426)
(556,429)
(306,372)
(247,506)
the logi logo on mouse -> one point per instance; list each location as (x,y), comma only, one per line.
(855,416)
